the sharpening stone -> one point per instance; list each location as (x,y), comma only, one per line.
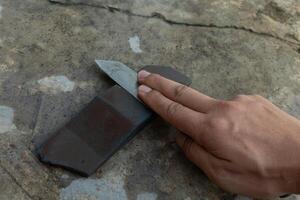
(107,123)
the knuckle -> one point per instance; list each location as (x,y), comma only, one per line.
(218,174)
(257,102)
(226,105)
(173,108)
(179,90)
(255,98)
(196,122)
(259,105)
(242,102)
(219,171)
(187,145)
(239,107)
(218,124)
(235,106)
(154,95)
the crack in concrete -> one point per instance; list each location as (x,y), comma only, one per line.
(161,17)
(16,182)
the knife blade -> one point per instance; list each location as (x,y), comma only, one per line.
(121,74)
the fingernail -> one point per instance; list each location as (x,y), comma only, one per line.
(143,74)
(144,89)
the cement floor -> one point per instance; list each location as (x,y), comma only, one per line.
(47,74)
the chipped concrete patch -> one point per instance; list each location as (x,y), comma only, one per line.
(109,188)
(6,119)
(147,196)
(56,84)
(134,43)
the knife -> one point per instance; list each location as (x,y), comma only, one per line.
(127,77)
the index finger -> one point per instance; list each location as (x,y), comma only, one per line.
(181,117)
(177,92)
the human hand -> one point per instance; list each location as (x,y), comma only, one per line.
(246,146)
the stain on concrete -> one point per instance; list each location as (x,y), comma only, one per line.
(56,84)
(108,188)
(146,196)
(134,43)
(6,119)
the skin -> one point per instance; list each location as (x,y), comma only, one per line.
(246,145)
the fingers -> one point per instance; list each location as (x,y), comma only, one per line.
(183,118)
(196,153)
(177,92)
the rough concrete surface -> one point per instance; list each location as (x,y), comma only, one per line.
(47,74)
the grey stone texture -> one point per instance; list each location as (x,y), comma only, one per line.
(227,48)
